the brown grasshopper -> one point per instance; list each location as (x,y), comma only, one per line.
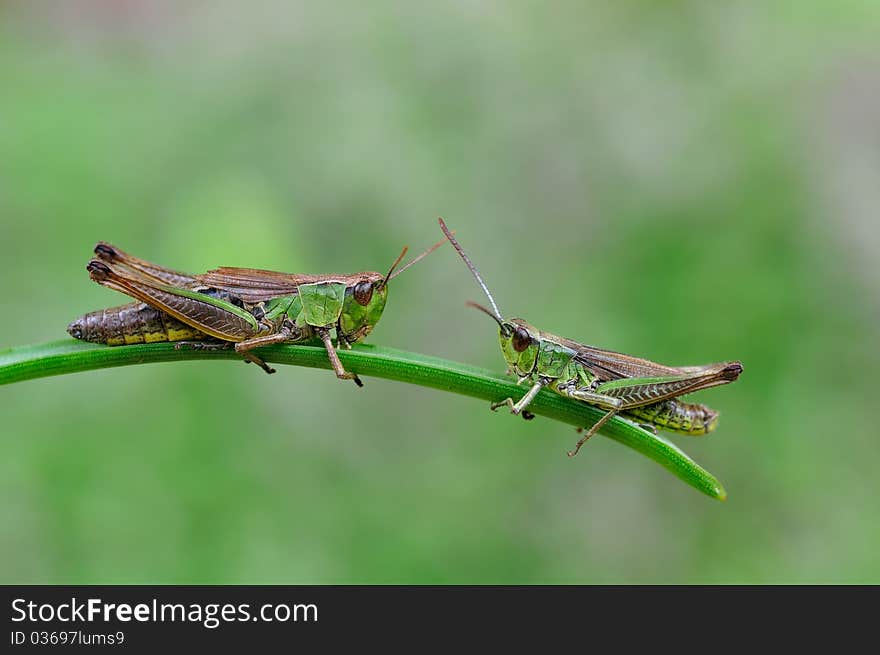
(620,384)
(227,307)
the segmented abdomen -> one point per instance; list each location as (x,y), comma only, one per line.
(676,416)
(135,322)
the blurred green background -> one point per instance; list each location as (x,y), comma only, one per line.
(690,183)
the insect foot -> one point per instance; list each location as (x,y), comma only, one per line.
(507,401)
(583,440)
(248,358)
(350,376)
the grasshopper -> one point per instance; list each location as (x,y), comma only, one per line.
(235,307)
(639,389)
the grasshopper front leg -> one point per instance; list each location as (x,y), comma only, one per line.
(340,371)
(519,408)
(341,341)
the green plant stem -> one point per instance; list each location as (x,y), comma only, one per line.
(70,356)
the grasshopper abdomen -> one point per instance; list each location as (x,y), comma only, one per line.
(675,416)
(133,323)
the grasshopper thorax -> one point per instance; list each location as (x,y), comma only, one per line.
(520,343)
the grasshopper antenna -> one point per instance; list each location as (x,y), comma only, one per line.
(471,303)
(415,260)
(476,273)
(393,266)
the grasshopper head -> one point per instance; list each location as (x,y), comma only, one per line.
(519,343)
(365,299)
(363,306)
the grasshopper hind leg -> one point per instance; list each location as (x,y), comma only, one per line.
(243,348)
(202,345)
(224,345)
(251,358)
(589,433)
(611,404)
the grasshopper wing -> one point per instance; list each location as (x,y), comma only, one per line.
(135,267)
(610,365)
(641,380)
(213,316)
(254,285)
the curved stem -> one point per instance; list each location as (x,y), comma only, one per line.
(70,356)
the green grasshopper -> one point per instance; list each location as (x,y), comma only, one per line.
(235,307)
(636,388)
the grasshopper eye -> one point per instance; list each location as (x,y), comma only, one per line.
(363,293)
(521,339)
